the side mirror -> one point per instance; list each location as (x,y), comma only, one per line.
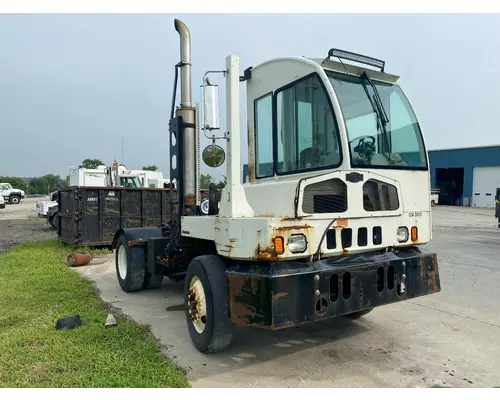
(210,107)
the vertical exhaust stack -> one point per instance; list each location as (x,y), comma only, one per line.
(187,111)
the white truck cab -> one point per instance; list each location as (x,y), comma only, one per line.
(10,194)
(334,214)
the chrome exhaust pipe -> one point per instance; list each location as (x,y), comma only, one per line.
(187,111)
(185,66)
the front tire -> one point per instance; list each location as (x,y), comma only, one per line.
(130,265)
(14,199)
(205,302)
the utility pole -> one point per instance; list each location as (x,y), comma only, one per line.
(121,161)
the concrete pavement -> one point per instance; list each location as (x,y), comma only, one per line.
(447,338)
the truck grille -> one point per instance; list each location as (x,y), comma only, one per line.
(363,238)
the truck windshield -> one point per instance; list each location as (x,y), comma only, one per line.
(130,181)
(388,136)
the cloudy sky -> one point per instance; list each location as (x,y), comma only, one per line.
(72,86)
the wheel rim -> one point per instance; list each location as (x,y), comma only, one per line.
(197,304)
(122,262)
(205,206)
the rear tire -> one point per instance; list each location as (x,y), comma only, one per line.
(433,203)
(205,301)
(130,265)
(358,314)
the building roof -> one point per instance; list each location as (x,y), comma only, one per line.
(466,148)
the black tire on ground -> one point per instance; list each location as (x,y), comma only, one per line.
(152,281)
(14,199)
(55,222)
(358,314)
(218,330)
(132,261)
(433,203)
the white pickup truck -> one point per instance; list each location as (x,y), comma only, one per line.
(42,206)
(434,197)
(2,203)
(11,195)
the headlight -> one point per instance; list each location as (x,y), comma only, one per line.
(205,206)
(402,234)
(297,243)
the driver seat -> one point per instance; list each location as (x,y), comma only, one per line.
(309,158)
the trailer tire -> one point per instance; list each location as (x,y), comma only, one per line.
(205,294)
(152,281)
(130,265)
(358,314)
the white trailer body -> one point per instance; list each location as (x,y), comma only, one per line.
(87,177)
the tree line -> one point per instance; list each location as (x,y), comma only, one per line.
(40,185)
(50,183)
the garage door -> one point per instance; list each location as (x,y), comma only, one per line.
(485,181)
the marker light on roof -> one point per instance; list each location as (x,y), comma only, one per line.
(347,55)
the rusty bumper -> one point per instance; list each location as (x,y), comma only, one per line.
(279,295)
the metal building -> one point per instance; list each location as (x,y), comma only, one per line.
(466,176)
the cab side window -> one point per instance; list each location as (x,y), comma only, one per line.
(263,126)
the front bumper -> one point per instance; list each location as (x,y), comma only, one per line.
(2,205)
(279,295)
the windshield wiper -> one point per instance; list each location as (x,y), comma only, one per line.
(378,109)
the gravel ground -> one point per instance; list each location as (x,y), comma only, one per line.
(18,224)
(15,231)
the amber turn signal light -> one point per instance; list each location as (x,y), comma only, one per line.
(414,233)
(279,248)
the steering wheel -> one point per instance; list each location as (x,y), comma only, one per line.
(362,139)
(365,149)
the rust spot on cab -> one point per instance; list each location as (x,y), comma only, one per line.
(285,219)
(267,253)
(276,296)
(341,222)
(293,228)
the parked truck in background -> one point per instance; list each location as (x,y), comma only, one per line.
(102,177)
(434,197)
(10,194)
(42,206)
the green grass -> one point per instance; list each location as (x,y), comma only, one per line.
(36,289)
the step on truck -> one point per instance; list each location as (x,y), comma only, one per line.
(334,214)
